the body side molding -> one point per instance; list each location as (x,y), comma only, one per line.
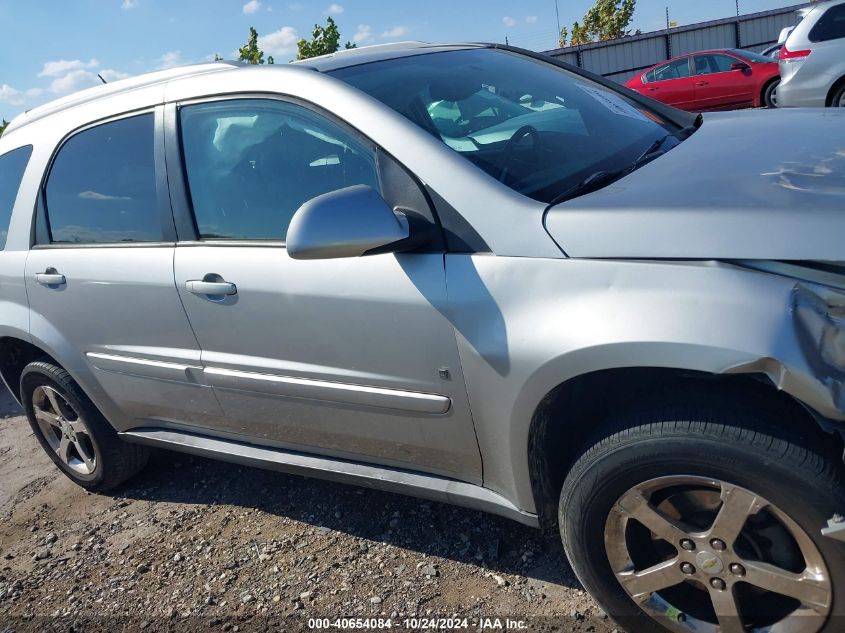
(325,390)
(143,366)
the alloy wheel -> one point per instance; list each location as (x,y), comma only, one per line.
(64,430)
(700,554)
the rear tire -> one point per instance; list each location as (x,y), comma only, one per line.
(770,94)
(687,459)
(838,100)
(75,435)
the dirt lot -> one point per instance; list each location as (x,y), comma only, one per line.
(193,544)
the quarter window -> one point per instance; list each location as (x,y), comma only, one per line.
(831,26)
(12,166)
(102,188)
(251,163)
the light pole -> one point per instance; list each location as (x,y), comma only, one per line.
(737,8)
(557,13)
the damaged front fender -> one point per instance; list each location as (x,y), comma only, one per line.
(819,315)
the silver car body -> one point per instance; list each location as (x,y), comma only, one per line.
(811,81)
(311,368)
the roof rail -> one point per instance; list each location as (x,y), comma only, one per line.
(116,87)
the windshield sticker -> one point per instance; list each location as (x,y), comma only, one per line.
(612,102)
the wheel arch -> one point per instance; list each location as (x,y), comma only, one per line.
(15,354)
(833,90)
(765,87)
(573,412)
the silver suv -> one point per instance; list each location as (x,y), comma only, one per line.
(812,60)
(466,273)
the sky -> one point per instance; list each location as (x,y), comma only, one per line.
(50,48)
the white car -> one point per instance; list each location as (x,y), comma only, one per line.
(812,60)
(774,50)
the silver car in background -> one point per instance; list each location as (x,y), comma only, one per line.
(812,60)
(468,273)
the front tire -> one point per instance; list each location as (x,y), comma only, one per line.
(770,94)
(707,518)
(74,434)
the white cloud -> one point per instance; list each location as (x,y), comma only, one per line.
(170,59)
(112,75)
(363,34)
(16,97)
(129,4)
(508,21)
(253,6)
(73,81)
(64,76)
(64,66)
(334,9)
(95,195)
(530,19)
(396,31)
(281,42)
(11,95)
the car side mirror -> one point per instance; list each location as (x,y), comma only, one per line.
(740,66)
(350,222)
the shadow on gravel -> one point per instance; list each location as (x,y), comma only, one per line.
(465,536)
(435,529)
(8,407)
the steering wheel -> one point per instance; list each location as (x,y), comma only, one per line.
(510,146)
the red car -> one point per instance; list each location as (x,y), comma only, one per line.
(712,80)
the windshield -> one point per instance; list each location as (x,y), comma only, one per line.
(752,57)
(536,127)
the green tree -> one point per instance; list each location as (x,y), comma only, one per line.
(580,35)
(3,126)
(607,20)
(324,41)
(250,52)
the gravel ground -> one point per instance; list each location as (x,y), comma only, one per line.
(193,544)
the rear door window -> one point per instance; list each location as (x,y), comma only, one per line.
(831,26)
(673,70)
(12,167)
(102,186)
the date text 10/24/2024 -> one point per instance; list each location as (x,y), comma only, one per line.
(418,624)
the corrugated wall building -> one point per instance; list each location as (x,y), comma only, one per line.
(623,58)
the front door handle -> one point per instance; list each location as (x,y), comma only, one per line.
(50,277)
(703,83)
(211,288)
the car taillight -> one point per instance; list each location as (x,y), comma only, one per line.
(785,53)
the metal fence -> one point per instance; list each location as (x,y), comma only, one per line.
(623,58)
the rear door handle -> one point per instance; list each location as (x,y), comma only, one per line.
(50,277)
(211,288)
(702,83)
